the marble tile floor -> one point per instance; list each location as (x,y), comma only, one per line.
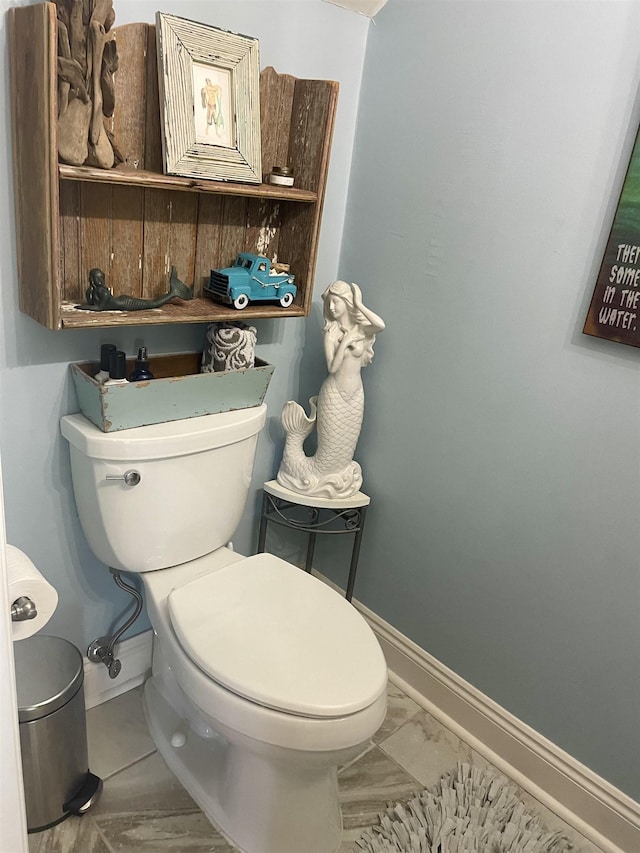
(143,809)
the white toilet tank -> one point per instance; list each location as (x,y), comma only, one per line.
(189,481)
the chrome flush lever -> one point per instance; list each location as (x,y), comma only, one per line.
(131,478)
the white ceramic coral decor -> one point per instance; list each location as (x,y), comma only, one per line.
(349,332)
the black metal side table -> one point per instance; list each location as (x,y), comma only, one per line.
(315,515)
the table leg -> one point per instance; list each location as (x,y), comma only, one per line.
(355,554)
(262,535)
(311,544)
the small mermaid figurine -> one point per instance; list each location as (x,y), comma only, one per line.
(100,298)
(350,330)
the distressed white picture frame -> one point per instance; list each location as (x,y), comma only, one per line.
(209,84)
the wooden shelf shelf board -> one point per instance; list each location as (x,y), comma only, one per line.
(199,310)
(144,178)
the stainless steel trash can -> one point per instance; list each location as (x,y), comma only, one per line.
(53,731)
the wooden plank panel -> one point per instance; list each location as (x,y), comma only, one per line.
(312,125)
(127,213)
(296,240)
(129,121)
(263,227)
(70,276)
(181,251)
(208,250)
(276,99)
(32,63)
(153,140)
(95,233)
(155,273)
(170,226)
(311,131)
(233,228)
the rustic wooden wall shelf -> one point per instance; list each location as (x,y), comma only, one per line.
(134,222)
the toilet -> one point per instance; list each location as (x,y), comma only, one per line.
(264,679)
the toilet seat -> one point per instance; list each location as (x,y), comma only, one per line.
(308,653)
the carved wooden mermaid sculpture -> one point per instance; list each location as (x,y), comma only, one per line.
(100,298)
(349,332)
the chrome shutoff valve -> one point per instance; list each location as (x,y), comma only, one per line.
(99,652)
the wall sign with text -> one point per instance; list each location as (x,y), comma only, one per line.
(614,312)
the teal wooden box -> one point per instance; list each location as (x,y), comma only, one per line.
(177,391)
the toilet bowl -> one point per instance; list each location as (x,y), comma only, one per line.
(264,679)
(270,778)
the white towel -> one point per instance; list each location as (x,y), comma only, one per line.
(230,346)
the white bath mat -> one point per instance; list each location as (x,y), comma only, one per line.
(470,810)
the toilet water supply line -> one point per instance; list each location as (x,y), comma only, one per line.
(101,649)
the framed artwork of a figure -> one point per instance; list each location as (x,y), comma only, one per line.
(209,83)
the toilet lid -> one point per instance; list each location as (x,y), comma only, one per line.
(279,637)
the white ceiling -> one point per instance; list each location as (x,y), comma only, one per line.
(363,7)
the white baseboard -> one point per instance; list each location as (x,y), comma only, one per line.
(584,800)
(134,655)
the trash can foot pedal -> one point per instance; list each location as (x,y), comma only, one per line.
(87,796)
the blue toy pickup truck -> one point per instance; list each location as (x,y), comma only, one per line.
(252,278)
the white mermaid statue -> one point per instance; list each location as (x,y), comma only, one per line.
(349,332)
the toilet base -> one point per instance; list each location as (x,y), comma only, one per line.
(261,803)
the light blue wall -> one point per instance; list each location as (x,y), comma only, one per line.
(35,386)
(500,444)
